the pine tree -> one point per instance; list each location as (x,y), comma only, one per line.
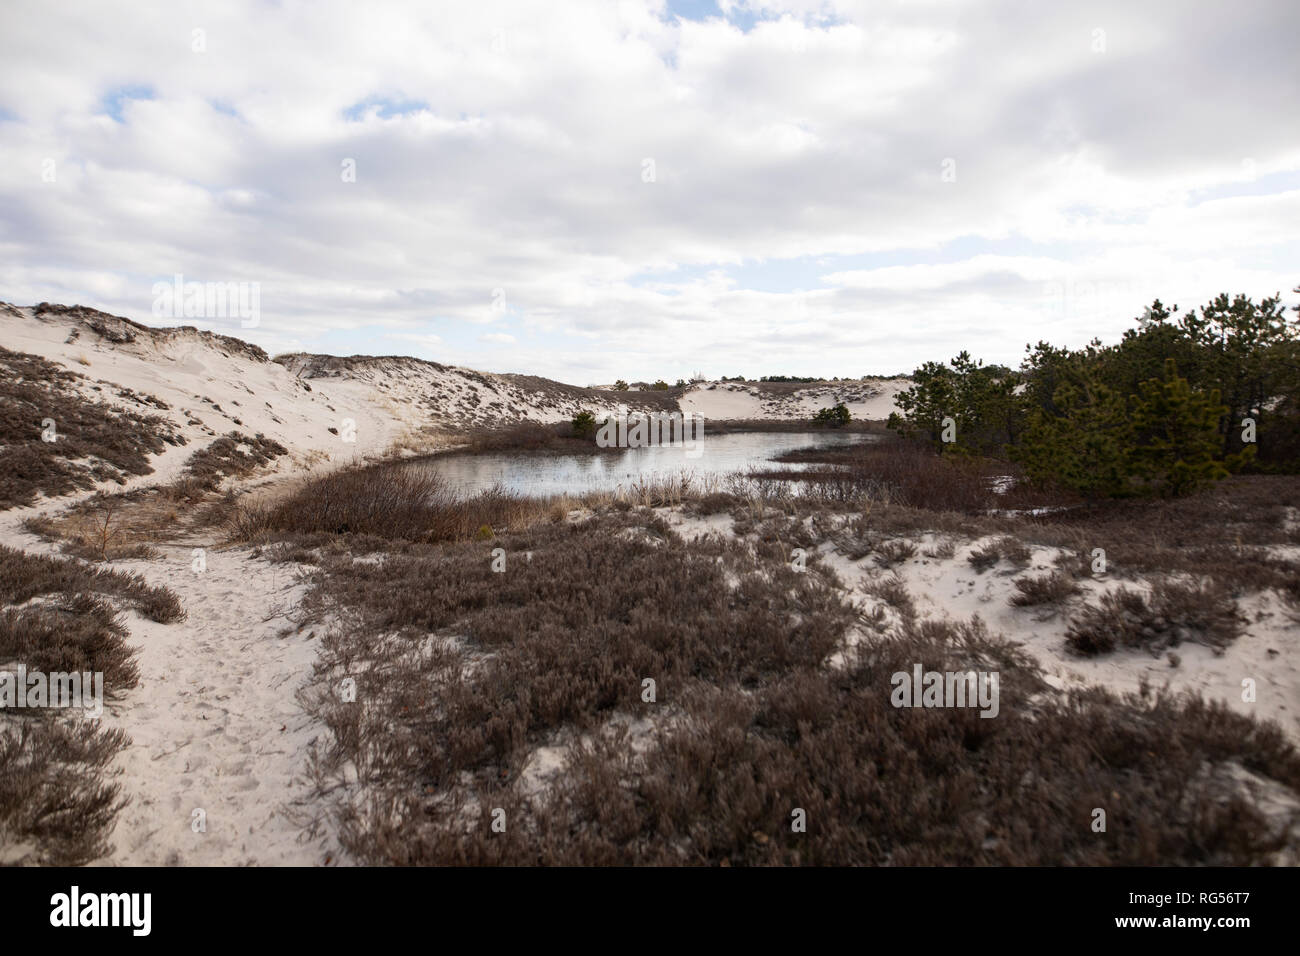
(925,404)
(834,417)
(1084,446)
(1176,430)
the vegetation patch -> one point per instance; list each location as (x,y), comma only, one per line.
(58,801)
(1005,548)
(54,441)
(1204,612)
(126,525)
(25,576)
(1046,589)
(57,797)
(396,501)
(464,673)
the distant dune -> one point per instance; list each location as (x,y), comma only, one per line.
(326,408)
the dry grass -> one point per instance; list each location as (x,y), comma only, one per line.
(106,527)
(25,576)
(392,501)
(527,436)
(1224,532)
(893,591)
(1005,548)
(73,632)
(909,474)
(233,455)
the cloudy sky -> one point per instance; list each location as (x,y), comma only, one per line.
(640,188)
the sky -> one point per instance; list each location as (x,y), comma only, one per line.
(640,189)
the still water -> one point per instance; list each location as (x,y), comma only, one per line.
(713,456)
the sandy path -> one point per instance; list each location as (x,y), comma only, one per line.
(214,722)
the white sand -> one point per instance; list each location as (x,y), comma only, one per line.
(871,400)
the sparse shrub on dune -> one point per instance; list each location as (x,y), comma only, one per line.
(518,436)
(57,798)
(943,549)
(901,473)
(72,633)
(1005,548)
(233,455)
(54,440)
(892,589)
(1203,612)
(1048,589)
(893,552)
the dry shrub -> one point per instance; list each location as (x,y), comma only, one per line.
(96,441)
(463,673)
(861,538)
(525,436)
(396,501)
(942,549)
(902,473)
(893,552)
(99,528)
(1005,548)
(747,729)
(57,806)
(893,591)
(104,527)
(25,576)
(75,633)
(1204,612)
(1047,589)
(233,455)
(1224,532)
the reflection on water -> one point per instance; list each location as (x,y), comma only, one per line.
(542,474)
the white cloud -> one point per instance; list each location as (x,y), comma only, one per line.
(500,146)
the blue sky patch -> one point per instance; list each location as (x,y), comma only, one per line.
(115,100)
(388,107)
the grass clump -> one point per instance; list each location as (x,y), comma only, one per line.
(73,633)
(394,501)
(57,799)
(233,455)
